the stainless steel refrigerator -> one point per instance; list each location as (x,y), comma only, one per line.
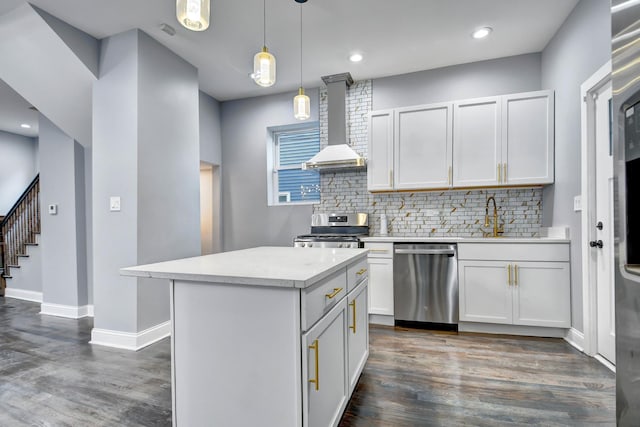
(625,27)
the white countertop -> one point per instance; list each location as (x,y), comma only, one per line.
(415,239)
(263,266)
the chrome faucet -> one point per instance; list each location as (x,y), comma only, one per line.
(497,230)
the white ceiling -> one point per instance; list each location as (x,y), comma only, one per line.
(395,37)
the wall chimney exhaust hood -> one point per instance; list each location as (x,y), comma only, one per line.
(338,154)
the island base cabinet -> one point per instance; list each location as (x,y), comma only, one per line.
(236,355)
(381,286)
(324,378)
(357,332)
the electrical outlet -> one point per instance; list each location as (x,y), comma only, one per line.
(114,203)
(53,209)
(577,203)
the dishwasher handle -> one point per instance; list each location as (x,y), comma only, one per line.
(449,252)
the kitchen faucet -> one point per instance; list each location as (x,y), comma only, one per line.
(496,229)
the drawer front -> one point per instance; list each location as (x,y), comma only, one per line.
(379,250)
(514,251)
(320,298)
(356,273)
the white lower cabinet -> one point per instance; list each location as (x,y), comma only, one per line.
(324,364)
(530,289)
(334,352)
(380,278)
(357,332)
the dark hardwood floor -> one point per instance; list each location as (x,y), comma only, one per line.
(50,376)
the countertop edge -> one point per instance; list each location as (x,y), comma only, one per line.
(148,271)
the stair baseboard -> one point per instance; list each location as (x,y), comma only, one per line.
(22,255)
(31,244)
(13,266)
(23,294)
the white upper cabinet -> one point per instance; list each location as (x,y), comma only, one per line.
(380,161)
(423,147)
(477,142)
(528,138)
(484,142)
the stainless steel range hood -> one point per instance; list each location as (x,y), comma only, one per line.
(338,154)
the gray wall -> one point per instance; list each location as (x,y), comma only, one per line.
(486,78)
(210,130)
(146,150)
(18,167)
(579,48)
(63,239)
(247,220)
(168,169)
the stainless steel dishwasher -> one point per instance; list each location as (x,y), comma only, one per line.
(425,284)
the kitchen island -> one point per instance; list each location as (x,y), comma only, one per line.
(269,336)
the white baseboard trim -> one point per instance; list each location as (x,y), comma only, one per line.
(575,338)
(381,319)
(68,311)
(90,310)
(501,329)
(130,340)
(23,294)
(605,362)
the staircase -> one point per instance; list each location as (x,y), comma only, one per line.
(18,230)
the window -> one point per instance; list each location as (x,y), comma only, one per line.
(289,147)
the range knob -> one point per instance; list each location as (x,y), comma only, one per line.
(339,245)
(309,244)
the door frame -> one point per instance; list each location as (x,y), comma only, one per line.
(588,211)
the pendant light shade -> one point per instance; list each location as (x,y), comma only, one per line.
(301,106)
(264,63)
(193,14)
(264,68)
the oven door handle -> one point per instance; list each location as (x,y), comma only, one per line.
(449,252)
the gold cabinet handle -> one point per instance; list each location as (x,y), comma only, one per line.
(515,274)
(335,292)
(499,175)
(361,272)
(449,175)
(504,172)
(509,275)
(353,304)
(316,347)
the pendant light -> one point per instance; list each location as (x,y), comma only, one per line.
(264,63)
(301,103)
(193,14)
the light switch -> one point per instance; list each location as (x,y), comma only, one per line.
(114,203)
(53,209)
(577,203)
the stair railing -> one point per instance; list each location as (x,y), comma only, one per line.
(19,228)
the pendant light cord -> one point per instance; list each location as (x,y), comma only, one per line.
(300,44)
(264,23)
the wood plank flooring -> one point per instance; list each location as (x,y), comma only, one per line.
(50,376)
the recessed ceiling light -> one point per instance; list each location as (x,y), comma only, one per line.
(482,32)
(355,57)
(25,126)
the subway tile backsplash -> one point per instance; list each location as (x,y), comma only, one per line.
(429,213)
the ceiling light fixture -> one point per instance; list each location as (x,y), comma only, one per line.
(481,33)
(193,14)
(301,103)
(264,63)
(25,126)
(355,57)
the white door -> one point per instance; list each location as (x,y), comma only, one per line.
(485,291)
(477,142)
(528,139)
(422,149)
(380,161)
(604,214)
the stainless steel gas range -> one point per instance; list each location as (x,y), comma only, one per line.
(335,230)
